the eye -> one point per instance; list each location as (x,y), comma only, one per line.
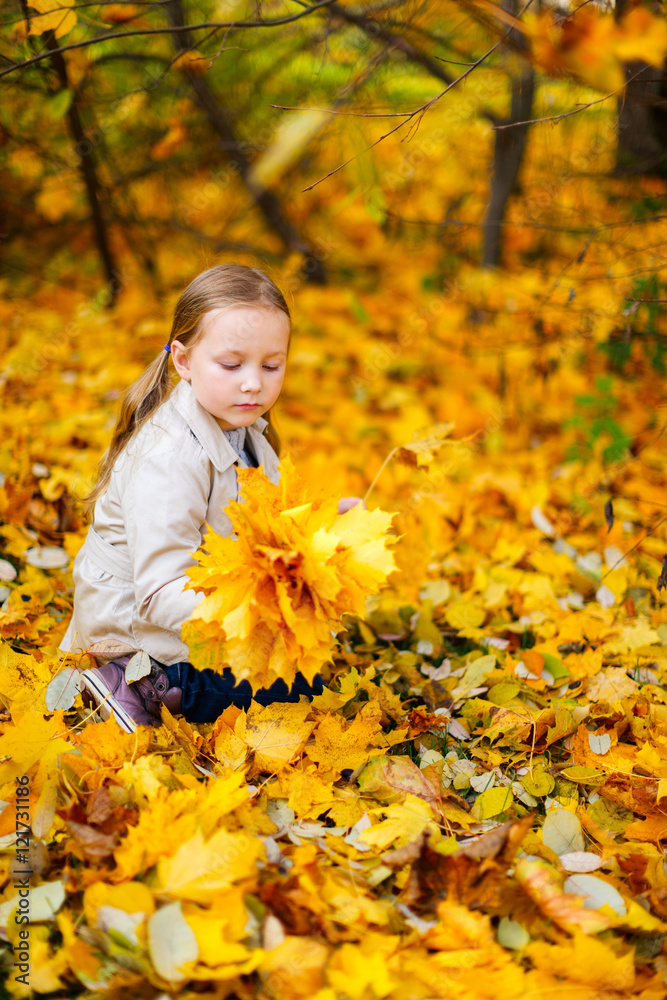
(271,368)
(230,368)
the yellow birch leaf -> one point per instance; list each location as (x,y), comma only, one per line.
(403,824)
(465,615)
(54,15)
(492,802)
(131,897)
(172,944)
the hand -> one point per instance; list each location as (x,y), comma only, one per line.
(347,503)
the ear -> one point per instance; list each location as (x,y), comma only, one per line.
(180,358)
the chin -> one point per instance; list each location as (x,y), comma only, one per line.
(241,419)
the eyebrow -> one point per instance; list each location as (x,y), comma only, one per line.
(240,354)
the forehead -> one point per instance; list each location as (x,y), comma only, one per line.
(246,326)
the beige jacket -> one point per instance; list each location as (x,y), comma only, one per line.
(173,478)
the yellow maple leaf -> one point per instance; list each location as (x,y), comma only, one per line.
(579,46)
(108,745)
(295,968)
(198,869)
(277,733)
(220,931)
(229,748)
(33,738)
(421,452)
(159,833)
(586,960)
(274,595)
(336,747)
(308,794)
(358,974)
(643,36)
(23,678)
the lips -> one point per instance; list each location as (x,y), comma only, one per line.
(247,406)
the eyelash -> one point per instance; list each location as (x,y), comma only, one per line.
(268,368)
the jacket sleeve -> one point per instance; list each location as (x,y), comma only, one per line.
(165,507)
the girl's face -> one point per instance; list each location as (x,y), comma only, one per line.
(237,366)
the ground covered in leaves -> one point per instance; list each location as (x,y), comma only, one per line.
(477,803)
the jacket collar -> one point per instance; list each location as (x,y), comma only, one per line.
(205,428)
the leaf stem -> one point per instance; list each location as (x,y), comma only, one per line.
(650,532)
(380,470)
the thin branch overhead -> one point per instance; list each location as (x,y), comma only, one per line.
(169,30)
(421,110)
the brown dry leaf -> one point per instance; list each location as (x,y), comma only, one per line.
(544,886)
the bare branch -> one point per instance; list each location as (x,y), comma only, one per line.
(110,36)
(558,118)
(573,230)
(334,111)
(421,110)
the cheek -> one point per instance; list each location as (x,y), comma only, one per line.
(219,377)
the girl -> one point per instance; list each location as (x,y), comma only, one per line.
(169,471)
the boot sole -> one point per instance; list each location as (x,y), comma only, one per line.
(106,703)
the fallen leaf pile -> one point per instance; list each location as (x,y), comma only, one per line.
(476,806)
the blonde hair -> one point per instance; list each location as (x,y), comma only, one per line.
(220,287)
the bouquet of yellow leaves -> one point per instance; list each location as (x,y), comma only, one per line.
(275,593)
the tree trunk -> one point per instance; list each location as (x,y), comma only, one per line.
(88,170)
(642,115)
(640,149)
(508,151)
(266,200)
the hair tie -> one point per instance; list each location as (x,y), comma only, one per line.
(167,348)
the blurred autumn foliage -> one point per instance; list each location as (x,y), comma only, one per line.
(464,203)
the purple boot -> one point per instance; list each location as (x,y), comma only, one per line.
(132,705)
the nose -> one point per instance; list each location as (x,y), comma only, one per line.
(251,382)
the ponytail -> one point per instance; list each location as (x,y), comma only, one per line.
(221,287)
(139,402)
